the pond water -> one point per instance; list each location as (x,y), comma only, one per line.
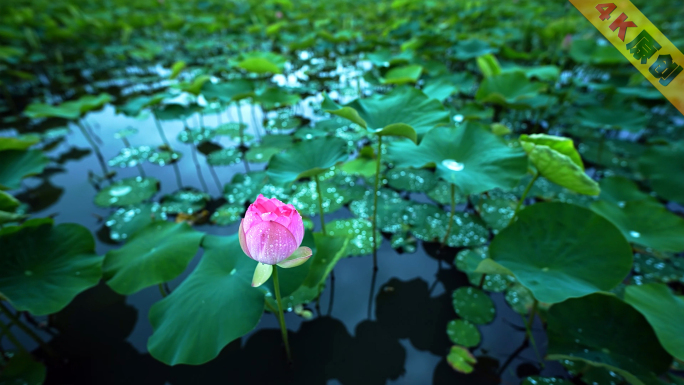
(402,339)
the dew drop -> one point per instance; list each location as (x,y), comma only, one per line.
(118,191)
(452,165)
(634,234)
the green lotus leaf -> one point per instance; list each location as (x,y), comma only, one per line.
(23,369)
(360,167)
(21,142)
(187,201)
(488,65)
(537,380)
(547,73)
(215,305)
(520,299)
(441,193)
(126,132)
(468,156)
(130,156)
(196,135)
(18,164)
(391,209)
(385,58)
(588,51)
(306,159)
(6,217)
(557,160)
(175,111)
(413,180)
(261,62)
(194,87)
(663,167)
(227,214)
(474,262)
(462,332)
(660,307)
(612,117)
(228,92)
(128,191)
(472,48)
(406,105)
(473,305)
(68,110)
(125,221)
(176,69)
(134,106)
(157,253)
(304,196)
(225,157)
(403,74)
(496,208)
(163,156)
(439,89)
(619,190)
(511,89)
(358,231)
(429,223)
(8,202)
(461,360)
(646,223)
(601,330)
(568,252)
(43,267)
(443,86)
(273,98)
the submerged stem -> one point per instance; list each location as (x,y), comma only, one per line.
(161,133)
(378,163)
(239,112)
(15,320)
(451,218)
(320,203)
(7,332)
(528,329)
(162,291)
(281,316)
(522,198)
(98,154)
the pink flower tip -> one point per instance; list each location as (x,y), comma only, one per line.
(270,231)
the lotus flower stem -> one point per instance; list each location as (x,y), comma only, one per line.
(193,151)
(451,218)
(320,203)
(522,198)
(161,133)
(214,175)
(281,316)
(7,332)
(378,163)
(15,320)
(528,329)
(162,291)
(239,112)
(98,154)
(256,123)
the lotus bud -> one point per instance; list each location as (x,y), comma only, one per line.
(271,233)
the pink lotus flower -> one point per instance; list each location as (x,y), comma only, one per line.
(272,231)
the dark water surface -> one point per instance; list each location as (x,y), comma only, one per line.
(101,337)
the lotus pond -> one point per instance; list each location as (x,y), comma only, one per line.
(486,192)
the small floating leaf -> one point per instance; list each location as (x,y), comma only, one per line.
(463,333)
(473,305)
(129,191)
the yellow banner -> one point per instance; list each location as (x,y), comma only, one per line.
(641,43)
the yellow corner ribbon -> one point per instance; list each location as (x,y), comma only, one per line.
(641,43)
